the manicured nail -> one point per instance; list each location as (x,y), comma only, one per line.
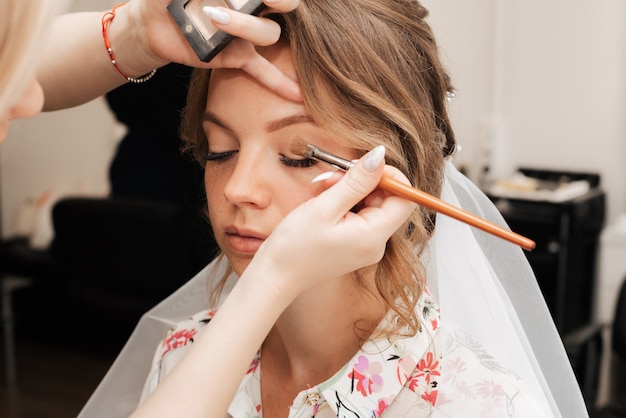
(323,176)
(374,158)
(217,15)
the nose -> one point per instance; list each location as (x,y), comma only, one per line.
(30,103)
(249,183)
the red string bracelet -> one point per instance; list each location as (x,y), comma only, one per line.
(107,18)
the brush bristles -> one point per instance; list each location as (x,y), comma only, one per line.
(299,147)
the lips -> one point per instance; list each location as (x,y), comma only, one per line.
(244,241)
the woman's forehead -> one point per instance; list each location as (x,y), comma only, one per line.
(223,80)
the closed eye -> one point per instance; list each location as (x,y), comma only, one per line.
(218,156)
(289,162)
(297,163)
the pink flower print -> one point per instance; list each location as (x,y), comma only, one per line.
(382,405)
(455,365)
(427,367)
(489,389)
(464,391)
(442,399)
(254,364)
(405,368)
(421,381)
(368,379)
(430,397)
(177,339)
(434,324)
(454,369)
(430,311)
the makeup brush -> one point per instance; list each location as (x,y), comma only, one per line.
(299,147)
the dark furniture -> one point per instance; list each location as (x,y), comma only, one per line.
(111,260)
(584,348)
(21,267)
(567,236)
(120,258)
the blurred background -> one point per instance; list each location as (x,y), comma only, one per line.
(540,114)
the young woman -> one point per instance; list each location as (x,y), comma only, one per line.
(330,314)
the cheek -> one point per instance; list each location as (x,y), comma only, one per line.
(213,187)
(291,200)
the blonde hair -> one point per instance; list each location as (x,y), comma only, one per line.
(23,33)
(370,74)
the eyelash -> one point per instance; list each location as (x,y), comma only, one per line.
(288,162)
(217,156)
(302,163)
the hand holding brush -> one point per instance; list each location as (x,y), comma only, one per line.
(304,149)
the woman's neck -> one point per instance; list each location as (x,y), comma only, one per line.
(321,330)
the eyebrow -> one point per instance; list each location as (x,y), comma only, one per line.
(271,127)
(288,121)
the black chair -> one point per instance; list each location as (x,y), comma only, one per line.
(121,257)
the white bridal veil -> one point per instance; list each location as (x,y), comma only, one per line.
(483,284)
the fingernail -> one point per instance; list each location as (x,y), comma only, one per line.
(216,14)
(323,176)
(374,158)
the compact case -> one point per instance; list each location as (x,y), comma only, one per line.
(205,39)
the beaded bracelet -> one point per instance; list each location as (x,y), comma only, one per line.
(107,18)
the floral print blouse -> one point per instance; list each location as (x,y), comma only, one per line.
(437,372)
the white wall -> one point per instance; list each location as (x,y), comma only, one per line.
(564,96)
(540,84)
(465,32)
(66,152)
(58,152)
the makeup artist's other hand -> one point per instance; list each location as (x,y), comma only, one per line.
(327,237)
(164,42)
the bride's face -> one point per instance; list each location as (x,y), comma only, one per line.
(253,180)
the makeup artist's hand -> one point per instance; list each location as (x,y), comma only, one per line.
(325,237)
(164,42)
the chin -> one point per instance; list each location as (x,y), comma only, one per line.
(239,265)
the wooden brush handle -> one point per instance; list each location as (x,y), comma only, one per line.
(438,205)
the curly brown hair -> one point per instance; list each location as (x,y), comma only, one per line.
(370,74)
